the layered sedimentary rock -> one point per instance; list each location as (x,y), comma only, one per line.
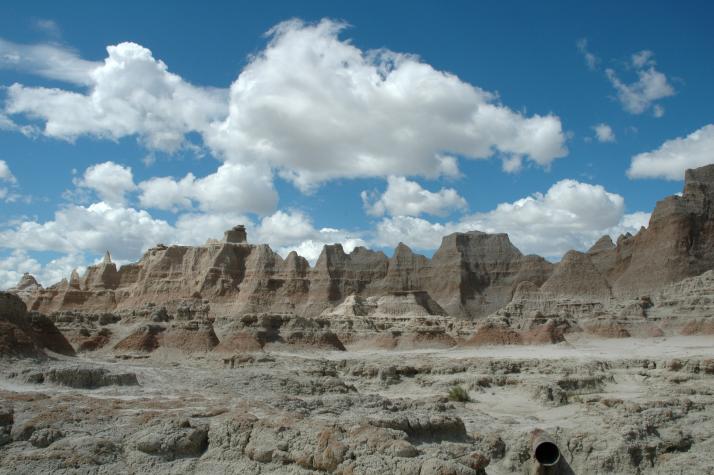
(577,277)
(102,276)
(474,273)
(471,275)
(645,285)
(26,287)
(677,243)
(195,336)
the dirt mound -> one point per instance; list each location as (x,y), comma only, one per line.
(606,329)
(240,342)
(698,327)
(144,339)
(48,336)
(494,334)
(549,332)
(191,337)
(83,378)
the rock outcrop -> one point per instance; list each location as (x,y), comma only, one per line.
(27,335)
(577,277)
(26,287)
(678,242)
(471,276)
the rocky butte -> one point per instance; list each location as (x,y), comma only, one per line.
(228,358)
(474,278)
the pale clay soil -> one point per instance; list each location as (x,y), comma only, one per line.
(613,406)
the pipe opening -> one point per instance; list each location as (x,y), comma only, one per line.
(547,454)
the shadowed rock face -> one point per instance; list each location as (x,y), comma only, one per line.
(678,243)
(23,335)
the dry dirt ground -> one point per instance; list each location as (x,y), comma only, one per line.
(612,405)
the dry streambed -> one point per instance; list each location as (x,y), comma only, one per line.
(362,412)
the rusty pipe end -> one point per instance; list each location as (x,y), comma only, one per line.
(544,449)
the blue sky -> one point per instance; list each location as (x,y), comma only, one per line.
(361,123)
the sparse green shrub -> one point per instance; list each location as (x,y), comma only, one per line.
(459,394)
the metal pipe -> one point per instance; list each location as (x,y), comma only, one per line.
(544,449)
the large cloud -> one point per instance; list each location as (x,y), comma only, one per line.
(312,106)
(317,107)
(674,156)
(94,228)
(234,187)
(571,215)
(408,198)
(131,93)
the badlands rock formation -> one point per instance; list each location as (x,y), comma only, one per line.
(228,358)
(471,275)
(475,277)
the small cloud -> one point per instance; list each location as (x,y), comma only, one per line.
(590,59)
(47,26)
(674,156)
(9,125)
(109,180)
(512,164)
(5,173)
(604,133)
(643,94)
(404,197)
(642,59)
(149,160)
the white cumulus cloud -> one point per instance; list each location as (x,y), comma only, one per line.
(109,180)
(674,156)
(311,106)
(408,198)
(95,228)
(316,107)
(293,230)
(234,187)
(570,215)
(130,93)
(128,232)
(651,86)
(604,133)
